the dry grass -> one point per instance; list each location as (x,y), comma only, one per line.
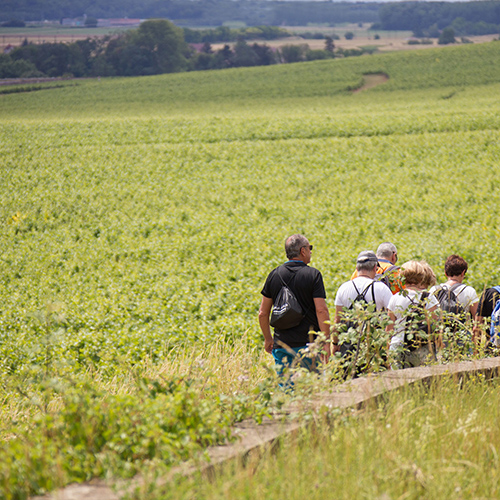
(227,366)
(386,43)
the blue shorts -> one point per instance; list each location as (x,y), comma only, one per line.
(283,358)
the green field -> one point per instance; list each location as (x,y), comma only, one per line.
(145,213)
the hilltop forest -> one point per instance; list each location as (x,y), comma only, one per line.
(467,18)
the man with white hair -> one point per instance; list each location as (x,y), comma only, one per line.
(387,255)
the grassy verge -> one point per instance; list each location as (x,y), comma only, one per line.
(431,442)
(61,429)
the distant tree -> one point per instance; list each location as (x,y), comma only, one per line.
(203,61)
(264,53)
(163,43)
(432,32)
(192,36)
(293,53)
(244,55)
(315,54)
(21,68)
(99,66)
(207,48)
(349,35)
(223,58)
(447,36)
(376,36)
(329,45)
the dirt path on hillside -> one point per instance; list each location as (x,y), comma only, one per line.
(371,80)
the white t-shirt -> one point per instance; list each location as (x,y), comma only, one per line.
(347,292)
(466,295)
(398,305)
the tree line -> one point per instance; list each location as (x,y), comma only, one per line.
(423,18)
(156,47)
(431,18)
(194,12)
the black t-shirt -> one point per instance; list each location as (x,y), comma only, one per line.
(307,284)
(487,302)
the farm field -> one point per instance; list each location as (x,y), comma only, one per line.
(389,41)
(141,216)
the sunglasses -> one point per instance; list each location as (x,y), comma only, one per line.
(307,246)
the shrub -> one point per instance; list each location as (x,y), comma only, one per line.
(447,36)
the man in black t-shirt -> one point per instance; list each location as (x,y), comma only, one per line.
(307,285)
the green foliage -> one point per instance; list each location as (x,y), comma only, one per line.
(365,330)
(293,53)
(196,12)
(437,441)
(150,210)
(92,433)
(483,17)
(157,46)
(447,36)
(164,41)
(225,34)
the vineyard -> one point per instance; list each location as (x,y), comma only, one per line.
(141,216)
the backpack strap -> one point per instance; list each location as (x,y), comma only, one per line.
(425,295)
(283,282)
(365,290)
(389,269)
(455,286)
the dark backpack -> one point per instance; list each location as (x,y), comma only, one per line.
(448,300)
(385,277)
(287,311)
(416,326)
(361,296)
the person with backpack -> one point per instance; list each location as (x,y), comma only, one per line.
(488,316)
(387,272)
(457,300)
(362,291)
(294,304)
(412,313)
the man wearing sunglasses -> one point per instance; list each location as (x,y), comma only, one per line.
(306,283)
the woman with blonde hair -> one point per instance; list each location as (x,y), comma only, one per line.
(412,312)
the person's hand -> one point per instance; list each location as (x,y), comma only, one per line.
(268,346)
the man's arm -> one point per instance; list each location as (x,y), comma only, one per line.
(264,312)
(323,321)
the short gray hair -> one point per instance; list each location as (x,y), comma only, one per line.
(293,244)
(368,265)
(385,250)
